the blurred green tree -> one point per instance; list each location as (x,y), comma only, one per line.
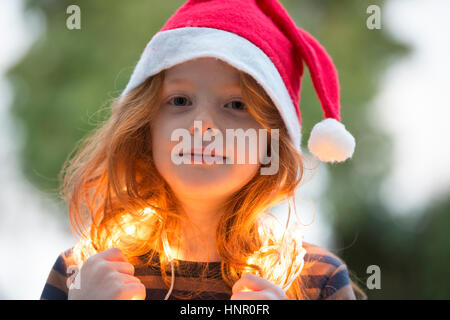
(64,83)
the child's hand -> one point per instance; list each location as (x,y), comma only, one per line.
(107,275)
(251,287)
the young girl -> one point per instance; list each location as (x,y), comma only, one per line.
(162,222)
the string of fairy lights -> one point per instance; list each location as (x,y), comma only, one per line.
(281,256)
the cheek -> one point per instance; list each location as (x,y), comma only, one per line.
(243,173)
(161,145)
(250,150)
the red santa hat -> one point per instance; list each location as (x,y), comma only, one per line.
(260,38)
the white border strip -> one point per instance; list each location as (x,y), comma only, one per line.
(171,47)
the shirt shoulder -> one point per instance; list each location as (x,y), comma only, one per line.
(57,285)
(325,276)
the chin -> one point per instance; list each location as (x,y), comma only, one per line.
(206,180)
(203,177)
(206,183)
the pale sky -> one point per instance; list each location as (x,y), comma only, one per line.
(413,104)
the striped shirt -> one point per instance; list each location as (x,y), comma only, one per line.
(326,279)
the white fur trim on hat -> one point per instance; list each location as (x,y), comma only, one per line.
(330,141)
(171,47)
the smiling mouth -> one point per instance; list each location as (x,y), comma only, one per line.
(206,155)
(198,155)
(203,158)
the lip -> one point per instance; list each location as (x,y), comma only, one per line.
(201,152)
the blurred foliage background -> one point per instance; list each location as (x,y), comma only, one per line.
(65,82)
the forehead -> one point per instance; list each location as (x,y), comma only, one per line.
(201,69)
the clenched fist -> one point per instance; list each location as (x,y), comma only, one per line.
(251,287)
(107,275)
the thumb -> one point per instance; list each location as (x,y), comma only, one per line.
(250,282)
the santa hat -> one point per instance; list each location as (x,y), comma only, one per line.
(260,38)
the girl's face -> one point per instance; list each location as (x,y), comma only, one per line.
(206,90)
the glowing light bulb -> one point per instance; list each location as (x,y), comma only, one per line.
(130,230)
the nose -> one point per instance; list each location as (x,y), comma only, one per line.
(203,122)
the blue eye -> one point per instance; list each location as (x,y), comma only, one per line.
(179,101)
(237,105)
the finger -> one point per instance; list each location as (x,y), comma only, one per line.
(126,278)
(122,267)
(252,295)
(133,291)
(251,282)
(113,254)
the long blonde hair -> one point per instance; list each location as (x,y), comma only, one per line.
(113,173)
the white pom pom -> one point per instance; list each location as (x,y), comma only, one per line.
(330,141)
